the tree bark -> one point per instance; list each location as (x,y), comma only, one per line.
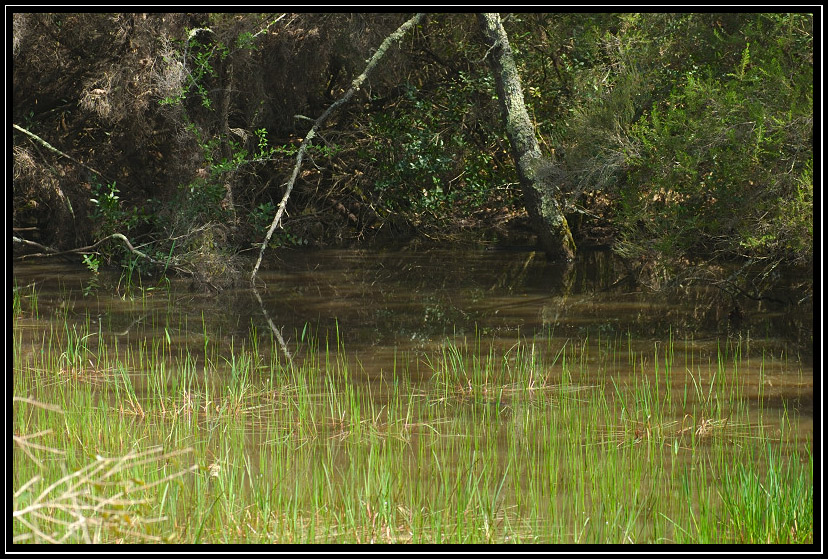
(537,173)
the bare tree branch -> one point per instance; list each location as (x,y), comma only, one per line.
(355,85)
(48,251)
(50,147)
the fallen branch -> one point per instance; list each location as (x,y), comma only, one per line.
(50,147)
(355,85)
(82,250)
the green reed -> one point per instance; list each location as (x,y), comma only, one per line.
(223,440)
(24,300)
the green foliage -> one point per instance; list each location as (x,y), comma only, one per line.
(246,40)
(200,201)
(725,160)
(110,215)
(409,151)
(202,58)
(265,151)
(561,59)
(91,262)
(689,134)
(699,127)
(430,156)
(109,212)
(262,216)
(285,238)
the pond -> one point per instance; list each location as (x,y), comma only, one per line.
(428,396)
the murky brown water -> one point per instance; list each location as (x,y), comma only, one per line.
(383,304)
(390,306)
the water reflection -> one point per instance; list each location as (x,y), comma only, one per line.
(393,298)
(382,302)
(393,310)
(401,298)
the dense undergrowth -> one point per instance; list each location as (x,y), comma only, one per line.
(683,140)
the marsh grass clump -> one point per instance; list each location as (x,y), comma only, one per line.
(24,297)
(104,501)
(774,508)
(491,377)
(222,440)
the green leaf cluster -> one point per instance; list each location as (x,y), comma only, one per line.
(431,155)
(724,161)
(697,128)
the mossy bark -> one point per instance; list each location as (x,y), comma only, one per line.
(539,177)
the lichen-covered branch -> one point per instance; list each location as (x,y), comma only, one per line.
(535,171)
(50,147)
(355,86)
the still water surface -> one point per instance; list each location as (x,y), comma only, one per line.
(388,305)
(393,310)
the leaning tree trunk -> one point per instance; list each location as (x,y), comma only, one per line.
(537,173)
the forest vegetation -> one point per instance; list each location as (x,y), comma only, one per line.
(642,374)
(681,141)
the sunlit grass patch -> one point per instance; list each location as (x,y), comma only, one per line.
(110,499)
(225,442)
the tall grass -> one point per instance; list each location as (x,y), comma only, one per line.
(224,441)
